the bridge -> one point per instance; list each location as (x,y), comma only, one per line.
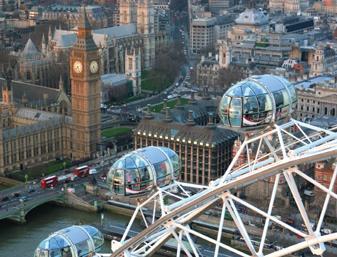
(17,208)
(278,152)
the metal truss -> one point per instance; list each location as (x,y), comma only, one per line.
(276,154)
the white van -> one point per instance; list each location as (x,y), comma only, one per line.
(93,171)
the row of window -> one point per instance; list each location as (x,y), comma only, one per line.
(31,152)
(331,112)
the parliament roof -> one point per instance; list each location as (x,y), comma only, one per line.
(34,94)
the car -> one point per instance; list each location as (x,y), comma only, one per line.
(93,171)
(326,231)
(16,194)
(23,199)
(31,190)
(103,177)
(308,193)
(278,248)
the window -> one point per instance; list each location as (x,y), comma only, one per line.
(130,63)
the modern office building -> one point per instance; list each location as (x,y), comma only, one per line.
(205,151)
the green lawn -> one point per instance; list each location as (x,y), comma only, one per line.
(170,104)
(41,170)
(115,132)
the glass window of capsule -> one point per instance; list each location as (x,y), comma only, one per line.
(142,169)
(75,241)
(257,101)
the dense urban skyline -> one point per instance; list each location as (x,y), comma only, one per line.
(211,121)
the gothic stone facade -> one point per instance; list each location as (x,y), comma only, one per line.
(45,131)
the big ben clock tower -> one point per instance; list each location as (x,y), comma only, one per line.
(85,92)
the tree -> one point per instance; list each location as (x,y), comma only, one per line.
(169,60)
(229,76)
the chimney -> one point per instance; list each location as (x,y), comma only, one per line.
(190,120)
(167,115)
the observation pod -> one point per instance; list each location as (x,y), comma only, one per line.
(256,102)
(141,170)
(74,241)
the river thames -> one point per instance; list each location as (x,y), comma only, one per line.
(21,240)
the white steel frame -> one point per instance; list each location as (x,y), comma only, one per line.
(278,152)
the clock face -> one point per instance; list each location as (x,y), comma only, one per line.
(93,67)
(77,66)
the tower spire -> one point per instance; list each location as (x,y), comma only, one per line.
(84,36)
(61,83)
(83,19)
(43,45)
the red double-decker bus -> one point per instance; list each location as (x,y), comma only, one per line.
(82,171)
(49,182)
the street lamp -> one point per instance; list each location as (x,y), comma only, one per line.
(102,219)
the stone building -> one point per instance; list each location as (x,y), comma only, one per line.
(85,78)
(35,66)
(205,31)
(34,96)
(316,97)
(70,15)
(135,40)
(115,87)
(205,151)
(34,125)
(218,6)
(39,124)
(208,73)
(192,131)
(256,41)
(316,59)
(288,6)
(323,173)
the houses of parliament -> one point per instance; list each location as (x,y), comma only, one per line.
(62,128)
